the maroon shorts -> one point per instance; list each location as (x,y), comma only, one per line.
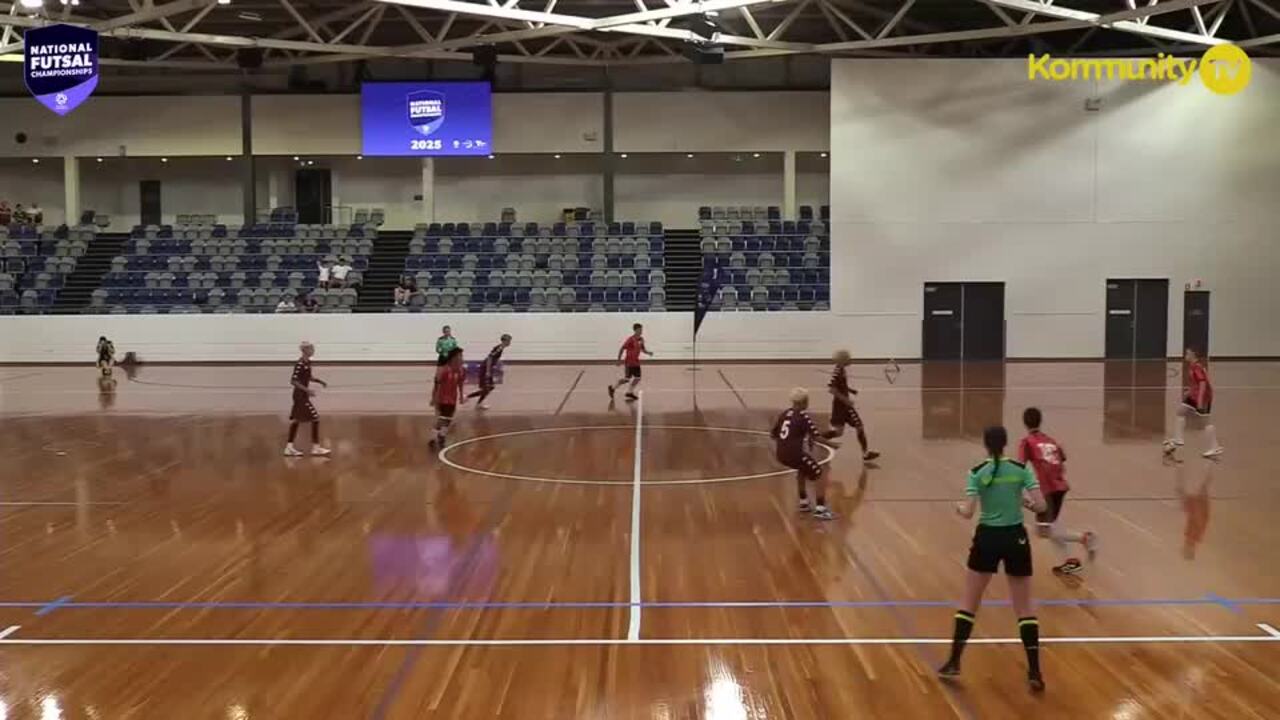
(804,463)
(446,411)
(303,410)
(842,414)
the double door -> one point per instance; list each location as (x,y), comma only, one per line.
(963,321)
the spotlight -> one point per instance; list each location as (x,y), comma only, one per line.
(229,158)
(164,160)
(823,155)
(624,156)
(557,156)
(690,155)
(359,157)
(99,159)
(35,161)
(295,157)
(755,155)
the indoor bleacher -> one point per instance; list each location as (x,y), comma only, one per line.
(772,264)
(34,265)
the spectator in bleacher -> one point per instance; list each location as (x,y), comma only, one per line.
(308,303)
(323,267)
(338,273)
(286,305)
(6,213)
(37,215)
(20,216)
(405,290)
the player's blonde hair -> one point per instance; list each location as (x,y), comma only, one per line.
(799,396)
(842,356)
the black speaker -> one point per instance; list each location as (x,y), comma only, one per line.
(249,58)
(485,56)
(704,54)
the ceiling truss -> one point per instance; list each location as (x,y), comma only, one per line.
(203,34)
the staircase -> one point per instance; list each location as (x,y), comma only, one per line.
(385,267)
(90,269)
(684,268)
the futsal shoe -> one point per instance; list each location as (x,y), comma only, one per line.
(1071,567)
(1090,542)
(1036,682)
(823,513)
(291,451)
(949,671)
(320,451)
(631,397)
(870,455)
(1171,446)
(481,406)
(612,390)
(1214,453)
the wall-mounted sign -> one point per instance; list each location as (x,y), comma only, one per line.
(61,65)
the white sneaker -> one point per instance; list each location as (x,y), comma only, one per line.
(291,451)
(1214,452)
(1171,445)
(482,406)
(320,451)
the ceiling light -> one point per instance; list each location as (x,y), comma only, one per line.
(35,161)
(224,2)
(164,159)
(689,155)
(624,156)
(31,4)
(99,159)
(228,158)
(295,157)
(557,156)
(249,15)
(823,155)
(491,157)
(756,155)
(359,157)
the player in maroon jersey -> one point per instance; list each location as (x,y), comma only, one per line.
(843,411)
(629,358)
(447,395)
(795,434)
(303,410)
(487,369)
(1048,460)
(1197,402)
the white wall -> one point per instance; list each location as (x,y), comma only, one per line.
(965,170)
(25,183)
(720,121)
(114,126)
(674,199)
(204,186)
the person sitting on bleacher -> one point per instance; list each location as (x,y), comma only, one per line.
(338,273)
(6,213)
(323,282)
(286,305)
(37,215)
(20,216)
(405,290)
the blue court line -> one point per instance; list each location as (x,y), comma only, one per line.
(54,605)
(66,603)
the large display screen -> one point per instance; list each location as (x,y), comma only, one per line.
(426,119)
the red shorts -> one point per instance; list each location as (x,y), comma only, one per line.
(446,411)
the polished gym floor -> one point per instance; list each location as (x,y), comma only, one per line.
(565,558)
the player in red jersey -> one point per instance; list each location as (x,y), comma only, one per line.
(447,395)
(843,411)
(303,410)
(487,369)
(629,358)
(795,434)
(1048,460)
(1197,402)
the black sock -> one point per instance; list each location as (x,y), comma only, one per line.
(804,494)
(964,626)
(862,440)
(477,393)
(315,433)
(293,432)
(830,434)
(1029,629)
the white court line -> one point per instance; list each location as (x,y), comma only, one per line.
(1269,630)
(633,628)
(598,642)
(9,631)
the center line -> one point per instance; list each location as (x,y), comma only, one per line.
(633,628)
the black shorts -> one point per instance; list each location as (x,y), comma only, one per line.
(993,545)
(486,381)
(303,410)
(804,464)
(633,372)
(446,411)
(1054,501)
(842,415)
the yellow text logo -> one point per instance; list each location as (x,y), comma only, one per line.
(1223,69)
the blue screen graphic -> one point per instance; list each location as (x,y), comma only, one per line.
(426,118)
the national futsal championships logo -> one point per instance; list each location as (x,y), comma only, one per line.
(1224,69)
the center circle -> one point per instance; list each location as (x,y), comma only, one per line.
(622,468)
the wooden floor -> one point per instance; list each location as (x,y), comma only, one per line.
(160,559)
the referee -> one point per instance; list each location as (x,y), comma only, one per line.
(1002,487)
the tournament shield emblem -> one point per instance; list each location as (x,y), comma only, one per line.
(426,110)
(60,65)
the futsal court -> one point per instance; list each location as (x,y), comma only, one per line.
(563,557)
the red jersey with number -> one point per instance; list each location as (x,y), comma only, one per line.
(448,385)
(1199,391)
(793,431)
(1046,457)
(631,348)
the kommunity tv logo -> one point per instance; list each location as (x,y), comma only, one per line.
(1224,69)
